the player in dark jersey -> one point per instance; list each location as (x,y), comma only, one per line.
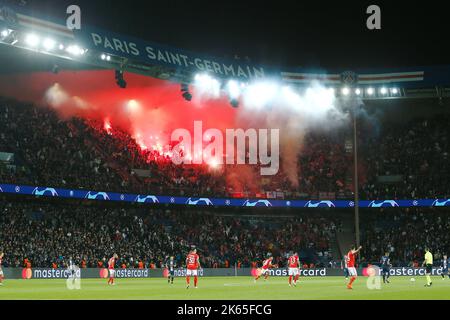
(1,271)
(385,267)
(170,264)
(345,266)
(444,266)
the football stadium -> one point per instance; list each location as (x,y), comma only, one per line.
(132,169)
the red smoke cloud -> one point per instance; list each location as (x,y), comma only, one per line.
(94,95)
(150,109)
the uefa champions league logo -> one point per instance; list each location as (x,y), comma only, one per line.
(320,204)
(257,203)
(146,199)
(199,201)
(45,192)
(97,195)
(443,203)
(383,204)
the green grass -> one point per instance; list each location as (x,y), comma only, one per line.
(225,288)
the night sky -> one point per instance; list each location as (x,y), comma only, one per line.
(280,33)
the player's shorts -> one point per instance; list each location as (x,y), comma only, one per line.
(445,271)
(385,270)
(171,273)
(191,272)
(112,273)
(429,268)
(293,271)
(352,271)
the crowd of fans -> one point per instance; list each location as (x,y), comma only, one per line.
(46,235)
(48,151)
(404,234)
(417,152)
(80,153)
(41,234)
(405,160)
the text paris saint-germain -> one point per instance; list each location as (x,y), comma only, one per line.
(166,56)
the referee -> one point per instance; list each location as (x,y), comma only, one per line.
(428,263)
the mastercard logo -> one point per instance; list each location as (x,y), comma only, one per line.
(104,273)
(26,273)
(255,272)
(369,272)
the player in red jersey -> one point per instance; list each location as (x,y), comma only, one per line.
(293,265)
(267,264)
(351,265)
(111,264)
(192,266)
(1,271)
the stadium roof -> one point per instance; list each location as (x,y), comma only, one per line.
(165,62)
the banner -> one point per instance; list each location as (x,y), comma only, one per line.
(157,54)
(102,273)
(219,202)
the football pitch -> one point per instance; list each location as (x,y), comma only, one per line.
(225,288)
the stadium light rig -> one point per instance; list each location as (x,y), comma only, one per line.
(382,92)
(345,91)
(105,57)
(207,84)
(40,43)
(49,44)
(5,33)
(32,40)
(185,92)
(234,92)
(120,80)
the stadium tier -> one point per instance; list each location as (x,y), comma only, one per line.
(45,234)
(396,161)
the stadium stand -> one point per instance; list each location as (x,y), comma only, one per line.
(90,157)
(404,234)
(414,154)
(47,233)
(81,154)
